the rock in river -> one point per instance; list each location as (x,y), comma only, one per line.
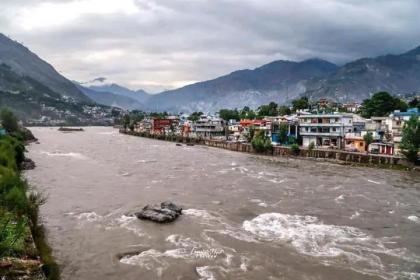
(27,164)
(165,213)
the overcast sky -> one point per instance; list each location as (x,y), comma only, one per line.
(159,44)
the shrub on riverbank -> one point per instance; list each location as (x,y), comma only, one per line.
(19,214)
(261,143)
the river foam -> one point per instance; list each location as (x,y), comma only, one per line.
(330,243)
(70,155)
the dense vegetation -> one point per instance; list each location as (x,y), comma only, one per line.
(261,143)
(382,104)
(18,204)
(410,142)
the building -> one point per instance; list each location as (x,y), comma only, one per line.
(377,127)
(165,126)
(395,123)
(381,148)
(292,123)
(354,143)
(143,126)
(209,127)
(325,130)
(351,107)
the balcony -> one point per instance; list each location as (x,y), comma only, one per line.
(320,124)
(326,134)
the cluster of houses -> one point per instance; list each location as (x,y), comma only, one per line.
(344,131)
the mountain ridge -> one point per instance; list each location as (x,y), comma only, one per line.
(26,63)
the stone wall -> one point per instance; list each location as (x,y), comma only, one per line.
(337,155)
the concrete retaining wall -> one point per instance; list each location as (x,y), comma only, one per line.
(338,155)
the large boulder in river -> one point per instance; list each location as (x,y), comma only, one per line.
(165,213)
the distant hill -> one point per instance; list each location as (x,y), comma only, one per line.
(111,99)
(25,63)
(140,95)
(357,80)
(278,81)
(30,99)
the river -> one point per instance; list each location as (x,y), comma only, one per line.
(245,217)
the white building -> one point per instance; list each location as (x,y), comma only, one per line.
(325,130)
(209,127)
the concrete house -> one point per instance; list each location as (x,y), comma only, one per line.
(209,127)
(395,123)
(325,130)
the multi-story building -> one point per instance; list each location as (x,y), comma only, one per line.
(209,127)
(325,130)
(144,126)
(292,123)
(165,126)
(395,123)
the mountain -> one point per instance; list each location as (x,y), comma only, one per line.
(100,85)
(40,96)
(25,63)
(277,81)
(30,99)
(111,99)
(358,80)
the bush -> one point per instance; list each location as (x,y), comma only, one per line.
(261,143)
(295,149)
(9,120)
(410,142)
(311,146)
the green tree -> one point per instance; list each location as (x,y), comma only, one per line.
(295,149)
(284,110)
(268,110)
(415,103)
(283,131)
(195,116)
(261,143)
(228,114)
(300,104)
(247,113)
(126,121)
(410,142)
(368,138)
(250,135)
(381,104)
(9,120)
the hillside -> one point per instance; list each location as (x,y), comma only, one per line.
(279,81)
(25,63)
(357,80)
(111,99)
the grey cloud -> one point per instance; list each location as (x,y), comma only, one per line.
(169,41)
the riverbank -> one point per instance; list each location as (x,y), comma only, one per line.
(24,252)
(338,156)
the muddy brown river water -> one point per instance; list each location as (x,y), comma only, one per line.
(245,217)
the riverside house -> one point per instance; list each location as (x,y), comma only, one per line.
(209,127)
(325,130)
(395,123)
(292,123)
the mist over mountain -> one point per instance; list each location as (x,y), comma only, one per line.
(139,95)
(101,96)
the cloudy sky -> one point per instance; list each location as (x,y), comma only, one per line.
(162,44)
